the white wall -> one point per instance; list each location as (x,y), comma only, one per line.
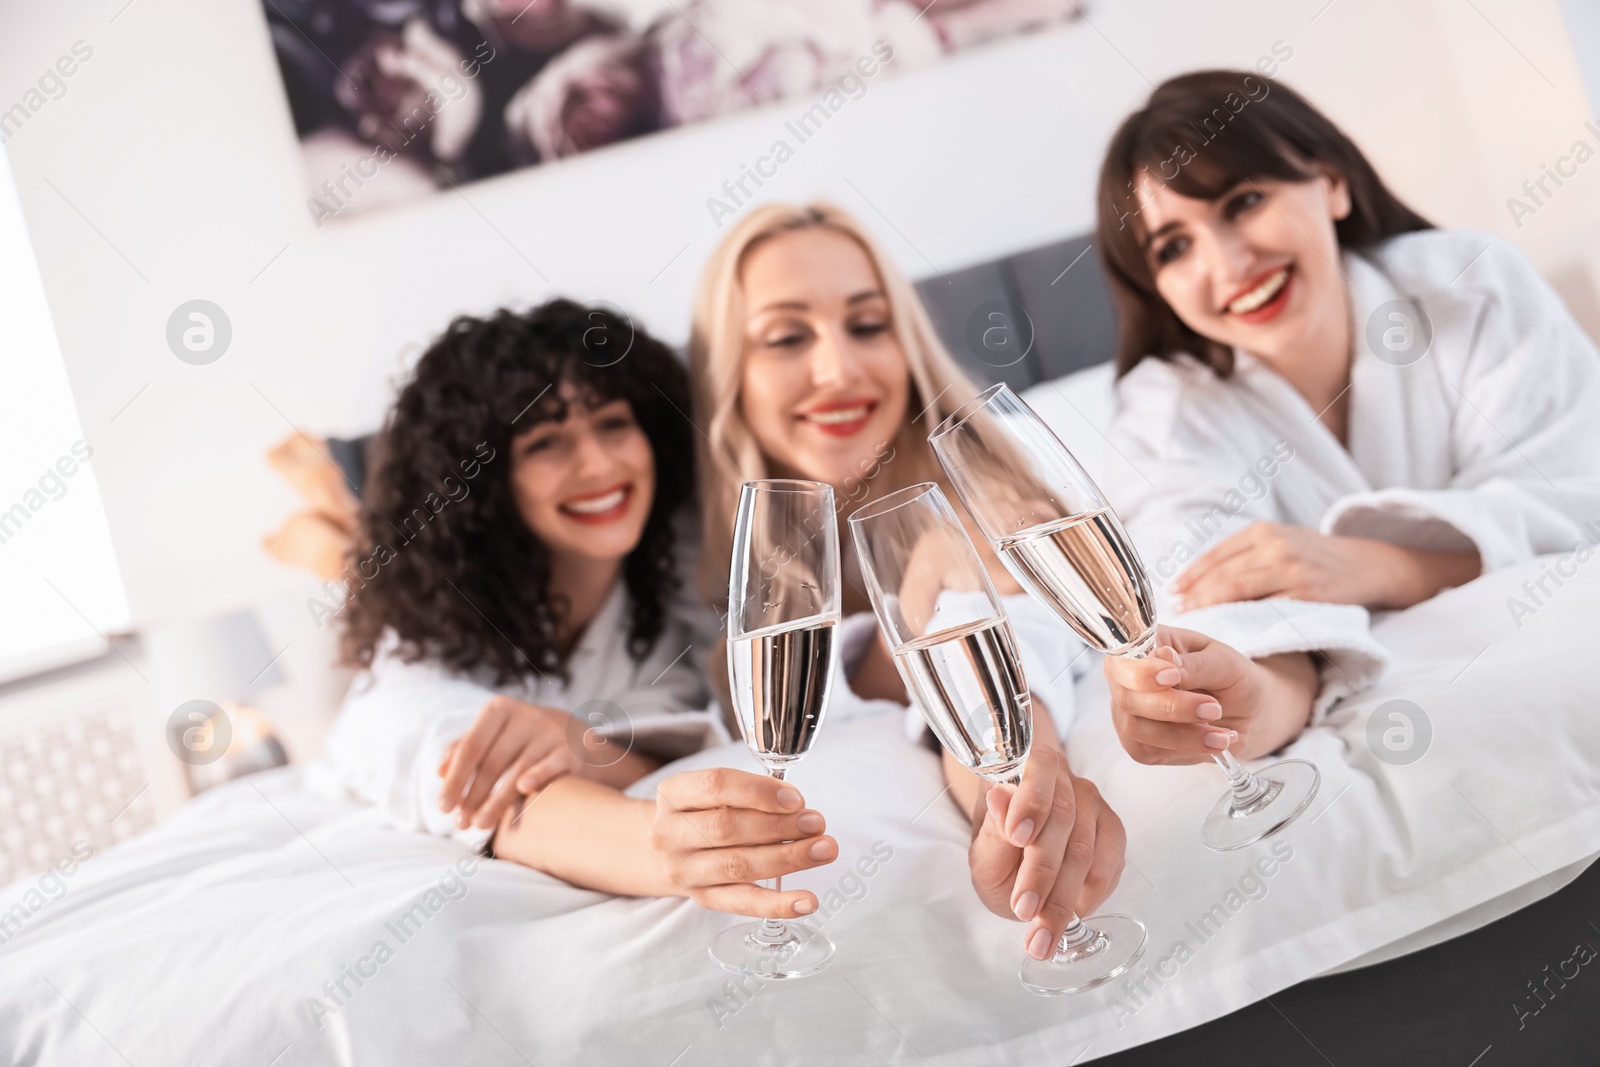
(176,175)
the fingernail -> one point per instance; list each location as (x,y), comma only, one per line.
(1170,676)
(788,798)
(1023,834)
(461,821)
(1219,739)
(811,823)
(1039,944)
(1026,905)
(1209,710)
(820,850)
(804,907)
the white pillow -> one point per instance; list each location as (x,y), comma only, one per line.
(1079,408)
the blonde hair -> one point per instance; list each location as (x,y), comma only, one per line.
(729,454)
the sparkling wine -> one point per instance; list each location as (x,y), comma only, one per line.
(968,683)
(1086,569)
(780,681)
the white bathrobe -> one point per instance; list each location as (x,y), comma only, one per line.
(399,717)
(1487,438)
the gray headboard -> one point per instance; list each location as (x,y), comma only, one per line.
(1027,317)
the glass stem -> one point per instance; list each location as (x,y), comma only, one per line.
(1077,934)
(1247,788)
(773,931)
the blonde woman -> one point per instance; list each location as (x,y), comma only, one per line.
(812,357)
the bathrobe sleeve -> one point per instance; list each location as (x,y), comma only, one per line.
(703,625)
(659,706)
(1207,470)
(1523,383)
(656,706)
(391,735)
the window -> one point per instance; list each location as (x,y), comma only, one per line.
(59,582)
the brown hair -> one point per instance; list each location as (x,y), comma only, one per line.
(1247,127)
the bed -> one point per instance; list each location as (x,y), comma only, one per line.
(274,921)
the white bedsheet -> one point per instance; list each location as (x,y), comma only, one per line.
(204,941)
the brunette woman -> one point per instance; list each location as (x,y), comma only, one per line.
(1337,407)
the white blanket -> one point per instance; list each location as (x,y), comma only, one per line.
(224,935)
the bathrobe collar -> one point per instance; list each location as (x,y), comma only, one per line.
(608,628)
(1378,392)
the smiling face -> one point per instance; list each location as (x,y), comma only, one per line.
(824,381)
(584,485)
(1255,268)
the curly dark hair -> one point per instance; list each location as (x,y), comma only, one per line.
(444,559)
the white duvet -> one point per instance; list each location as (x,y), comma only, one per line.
(273,923)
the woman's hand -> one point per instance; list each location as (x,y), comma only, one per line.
(717,832)
(1046,849)
(1194,697)
(513,747)
(1268,559)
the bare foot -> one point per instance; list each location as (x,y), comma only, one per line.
(313,541)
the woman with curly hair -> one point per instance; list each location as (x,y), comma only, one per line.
(515,558)
(516,563)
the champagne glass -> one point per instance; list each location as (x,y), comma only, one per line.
(955,651)
(1058,536)
(783,614)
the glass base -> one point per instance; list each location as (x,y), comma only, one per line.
(1290,783)
(1117,944)
(772,949)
